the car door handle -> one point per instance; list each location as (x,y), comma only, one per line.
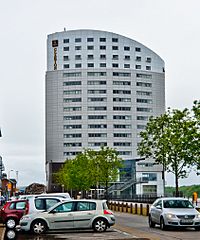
(70,214)
(89,214)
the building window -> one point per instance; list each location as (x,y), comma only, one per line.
(97,126)
(122,83)
(66,40)
(143,75)
(72,117)
(122,117)
(102,47)
(150,189)
(123,126)
(97,144)
(102,39)
(76,144)
(97,135)
(148,68)
(97,99)
(72,74)
(138,59)
(126,153)
(138,66)
(114,39)
(90,56)
(94,117)
(102,65)
(78,57)
(149,177)
(65,58)
(65,48)
(144,93)
(139,100)
(72,100)
(114,47)
(77,40)
(127,57)
(137,49)
(78,65)
(77,47)
(72,83)
(71,153)
(66,66)
(122,135)
(121,99)
(126,48)
(97,108)
(141,126)
(90,64)
(143,118)
(121,91)
(139,109)
(71,109)
(102,56)
(72,135)
(90,47)
(90,39)
(121,74)
(96,91)
(143,84)
(126,65)
(96,74)
(115,65)
(71,92)
(72,126)
(121,108)
(122,144)
(115,57)
(148,59)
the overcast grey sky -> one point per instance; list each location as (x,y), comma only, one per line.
(171,28)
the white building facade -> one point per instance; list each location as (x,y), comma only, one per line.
(101,89)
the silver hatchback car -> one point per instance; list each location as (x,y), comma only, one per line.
(74,214)
(174,212)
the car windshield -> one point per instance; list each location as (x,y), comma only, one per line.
(177,204)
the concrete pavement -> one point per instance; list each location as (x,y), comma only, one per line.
(2,231)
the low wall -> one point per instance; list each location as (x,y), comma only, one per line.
(133,208)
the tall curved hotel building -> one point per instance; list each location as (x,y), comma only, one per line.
(101,89)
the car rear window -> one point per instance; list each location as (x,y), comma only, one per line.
(105,205)
(18,205)
(86,206)
(40,204)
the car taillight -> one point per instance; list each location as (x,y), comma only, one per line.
(27,208)
(107,212)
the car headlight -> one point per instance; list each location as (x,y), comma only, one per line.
(170,215)
(198,215)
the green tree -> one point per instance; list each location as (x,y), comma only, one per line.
(168,139)
(90,168)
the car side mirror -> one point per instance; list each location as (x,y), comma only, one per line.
(53,211)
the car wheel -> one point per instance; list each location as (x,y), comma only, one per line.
(162,224)
(38,227)
(10,234)
(151,223)
(100,225)
(11,223)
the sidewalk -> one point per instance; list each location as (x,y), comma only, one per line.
(2,231)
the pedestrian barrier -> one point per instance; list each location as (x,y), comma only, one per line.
(133,208)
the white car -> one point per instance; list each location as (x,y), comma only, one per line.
(174,212)
(74,214)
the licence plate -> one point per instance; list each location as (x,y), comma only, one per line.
(186,221)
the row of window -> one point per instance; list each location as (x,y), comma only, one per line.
(103,56)
(103,117)
(114,65)
(97,144)
(103,74)
(97,82)
(104,99)
(127,153)
(78,126)
(102,91)
(96,135)
(101,47)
